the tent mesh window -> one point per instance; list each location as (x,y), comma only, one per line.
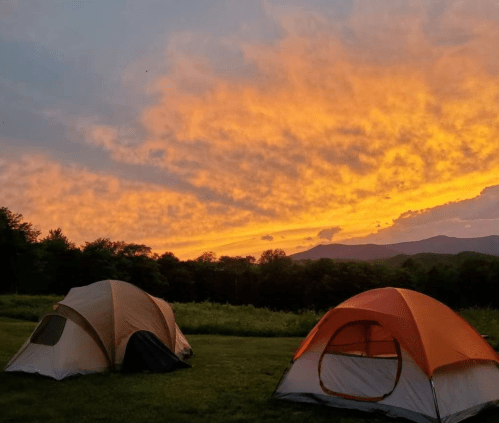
(361,361)
(49,331)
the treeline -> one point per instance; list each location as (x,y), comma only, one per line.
(53,265)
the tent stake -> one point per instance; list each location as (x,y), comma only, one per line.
(435,400)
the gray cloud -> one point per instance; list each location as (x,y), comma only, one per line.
(329,233)
(267,238)
(484,206)
(476,217)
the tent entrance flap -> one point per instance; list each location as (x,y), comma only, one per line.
(361,361)
(145,352)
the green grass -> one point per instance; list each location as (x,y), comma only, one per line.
(231,380)
(485,321)
(201,318)
(225,319)
(27,307)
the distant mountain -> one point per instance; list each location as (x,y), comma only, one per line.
(342,251)
(438,244)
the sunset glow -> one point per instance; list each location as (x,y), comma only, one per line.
(339,124)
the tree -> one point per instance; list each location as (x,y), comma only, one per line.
(276,287)
(207,257)
(269,256)
(167,263)
(234,278)
(477,279)
(236,264)
(56,237)
(138,266)
(59,264)
(24,231)
(99,261)
(133,263)
(132,250)
(17,244)
(442,284)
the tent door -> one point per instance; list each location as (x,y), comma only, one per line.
(145,352)
(361,361)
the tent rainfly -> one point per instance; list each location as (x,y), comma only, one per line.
(396,351)
(108,324)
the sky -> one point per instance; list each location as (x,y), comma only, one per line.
(241,126)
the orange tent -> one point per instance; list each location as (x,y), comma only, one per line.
(399,351)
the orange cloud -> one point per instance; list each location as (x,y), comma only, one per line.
(89,205)
(323,129)
(334,125)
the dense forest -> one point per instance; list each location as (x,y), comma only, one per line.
(53,265)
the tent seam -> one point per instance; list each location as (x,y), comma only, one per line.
(308,340)
(164,320)
(113,325)
(60,312)
(417,331)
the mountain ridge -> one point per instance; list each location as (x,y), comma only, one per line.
(440,244)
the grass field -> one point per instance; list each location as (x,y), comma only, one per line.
(225,319)
(26,307)
(231,380)
(199,318)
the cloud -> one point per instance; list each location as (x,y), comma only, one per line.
(354,121)
(475,217)
(484,206)
(380,125)
(329,233)
(352,113)
(267,238)
(88,205)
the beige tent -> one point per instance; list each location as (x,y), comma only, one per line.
(92,330)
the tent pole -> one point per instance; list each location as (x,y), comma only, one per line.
(435,400)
